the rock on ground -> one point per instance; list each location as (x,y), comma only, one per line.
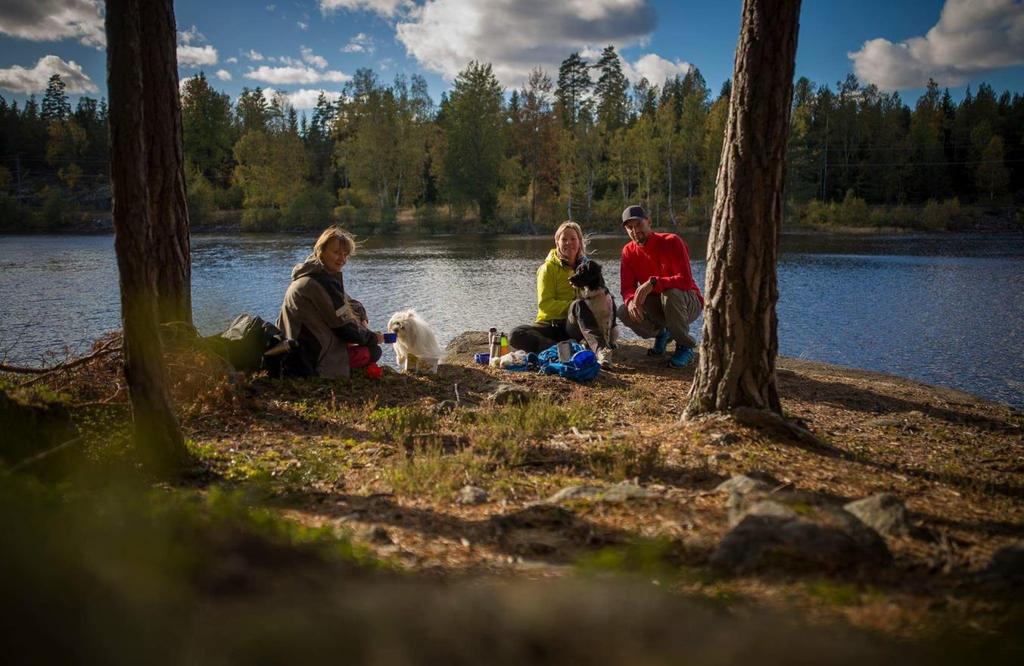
(510,394)
(773,536)
(884,512)
(1007,565)
(472,495)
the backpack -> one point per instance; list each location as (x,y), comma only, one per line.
(246,342)
(583,366)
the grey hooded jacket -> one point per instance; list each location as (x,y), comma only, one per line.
(310,315)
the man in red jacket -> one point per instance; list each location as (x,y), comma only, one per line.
(660,298)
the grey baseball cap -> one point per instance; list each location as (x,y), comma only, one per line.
(633,213)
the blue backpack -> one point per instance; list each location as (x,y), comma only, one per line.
(583,366)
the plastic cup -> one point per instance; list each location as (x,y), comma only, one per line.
(391,338)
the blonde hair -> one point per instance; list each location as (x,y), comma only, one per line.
(332,233)
(575,227)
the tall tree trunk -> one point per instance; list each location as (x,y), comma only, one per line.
(157,436)
(740,337)
(165,161)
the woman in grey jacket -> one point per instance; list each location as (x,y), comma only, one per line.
(330,326)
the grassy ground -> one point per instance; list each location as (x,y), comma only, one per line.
(381,463)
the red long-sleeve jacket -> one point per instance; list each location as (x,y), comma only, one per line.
(666,257)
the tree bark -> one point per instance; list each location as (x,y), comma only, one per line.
(165,161)
(157,436)
(740,337)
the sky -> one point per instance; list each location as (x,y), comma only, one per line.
(303,47)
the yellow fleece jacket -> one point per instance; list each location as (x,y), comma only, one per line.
(554,293)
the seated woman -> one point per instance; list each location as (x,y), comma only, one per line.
(329,325)
(559,315)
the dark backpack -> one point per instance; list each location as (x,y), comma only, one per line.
(246,342)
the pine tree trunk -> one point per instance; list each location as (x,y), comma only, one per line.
(168,211)
(157,436)
(740,337)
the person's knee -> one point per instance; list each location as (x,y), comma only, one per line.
(520,336)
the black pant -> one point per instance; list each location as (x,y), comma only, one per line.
(539,336)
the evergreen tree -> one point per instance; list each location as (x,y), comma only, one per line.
(55,100)
(475,139)
(207,129)
(611,91)
(574,84)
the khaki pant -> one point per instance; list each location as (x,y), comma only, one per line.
(673,309)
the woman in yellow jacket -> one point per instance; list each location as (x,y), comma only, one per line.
(554,293)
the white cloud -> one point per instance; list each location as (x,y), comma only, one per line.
(516,36)
(306,98)
(302,25)
(54,20)
(22,80)
(223,75)
(191,35)
(298,75)
(196,56)
(254,55)
(655,69)
(361,43)
(385,8)
(271,8)
(971,37)
(311,58)
(233,60)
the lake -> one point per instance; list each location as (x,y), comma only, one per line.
(947,310)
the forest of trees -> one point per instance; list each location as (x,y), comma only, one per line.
(579,144)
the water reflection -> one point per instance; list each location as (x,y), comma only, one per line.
(946,310)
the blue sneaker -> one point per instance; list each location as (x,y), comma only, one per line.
(682,357)
(660,343)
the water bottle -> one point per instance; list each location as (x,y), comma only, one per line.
(493,344)
(504,344)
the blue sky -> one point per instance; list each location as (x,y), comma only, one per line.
(300,47)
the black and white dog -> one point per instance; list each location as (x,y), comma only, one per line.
(594,310)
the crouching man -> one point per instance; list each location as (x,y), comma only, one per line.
(659,297)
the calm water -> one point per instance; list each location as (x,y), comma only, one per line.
(947,311)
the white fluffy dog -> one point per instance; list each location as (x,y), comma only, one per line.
(416,347)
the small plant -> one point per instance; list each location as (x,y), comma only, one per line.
(396,423)
(624,459)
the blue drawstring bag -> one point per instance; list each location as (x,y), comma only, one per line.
(583,366)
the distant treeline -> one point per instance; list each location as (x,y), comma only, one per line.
(580,146)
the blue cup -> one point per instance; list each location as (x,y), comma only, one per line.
(483,358)
(391,338)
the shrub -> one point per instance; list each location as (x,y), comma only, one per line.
(940,216)
(346,216)
(852,212)
(310,210)
(58,211)
(14,216)
(199,197)
(260,219)
(229,199)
